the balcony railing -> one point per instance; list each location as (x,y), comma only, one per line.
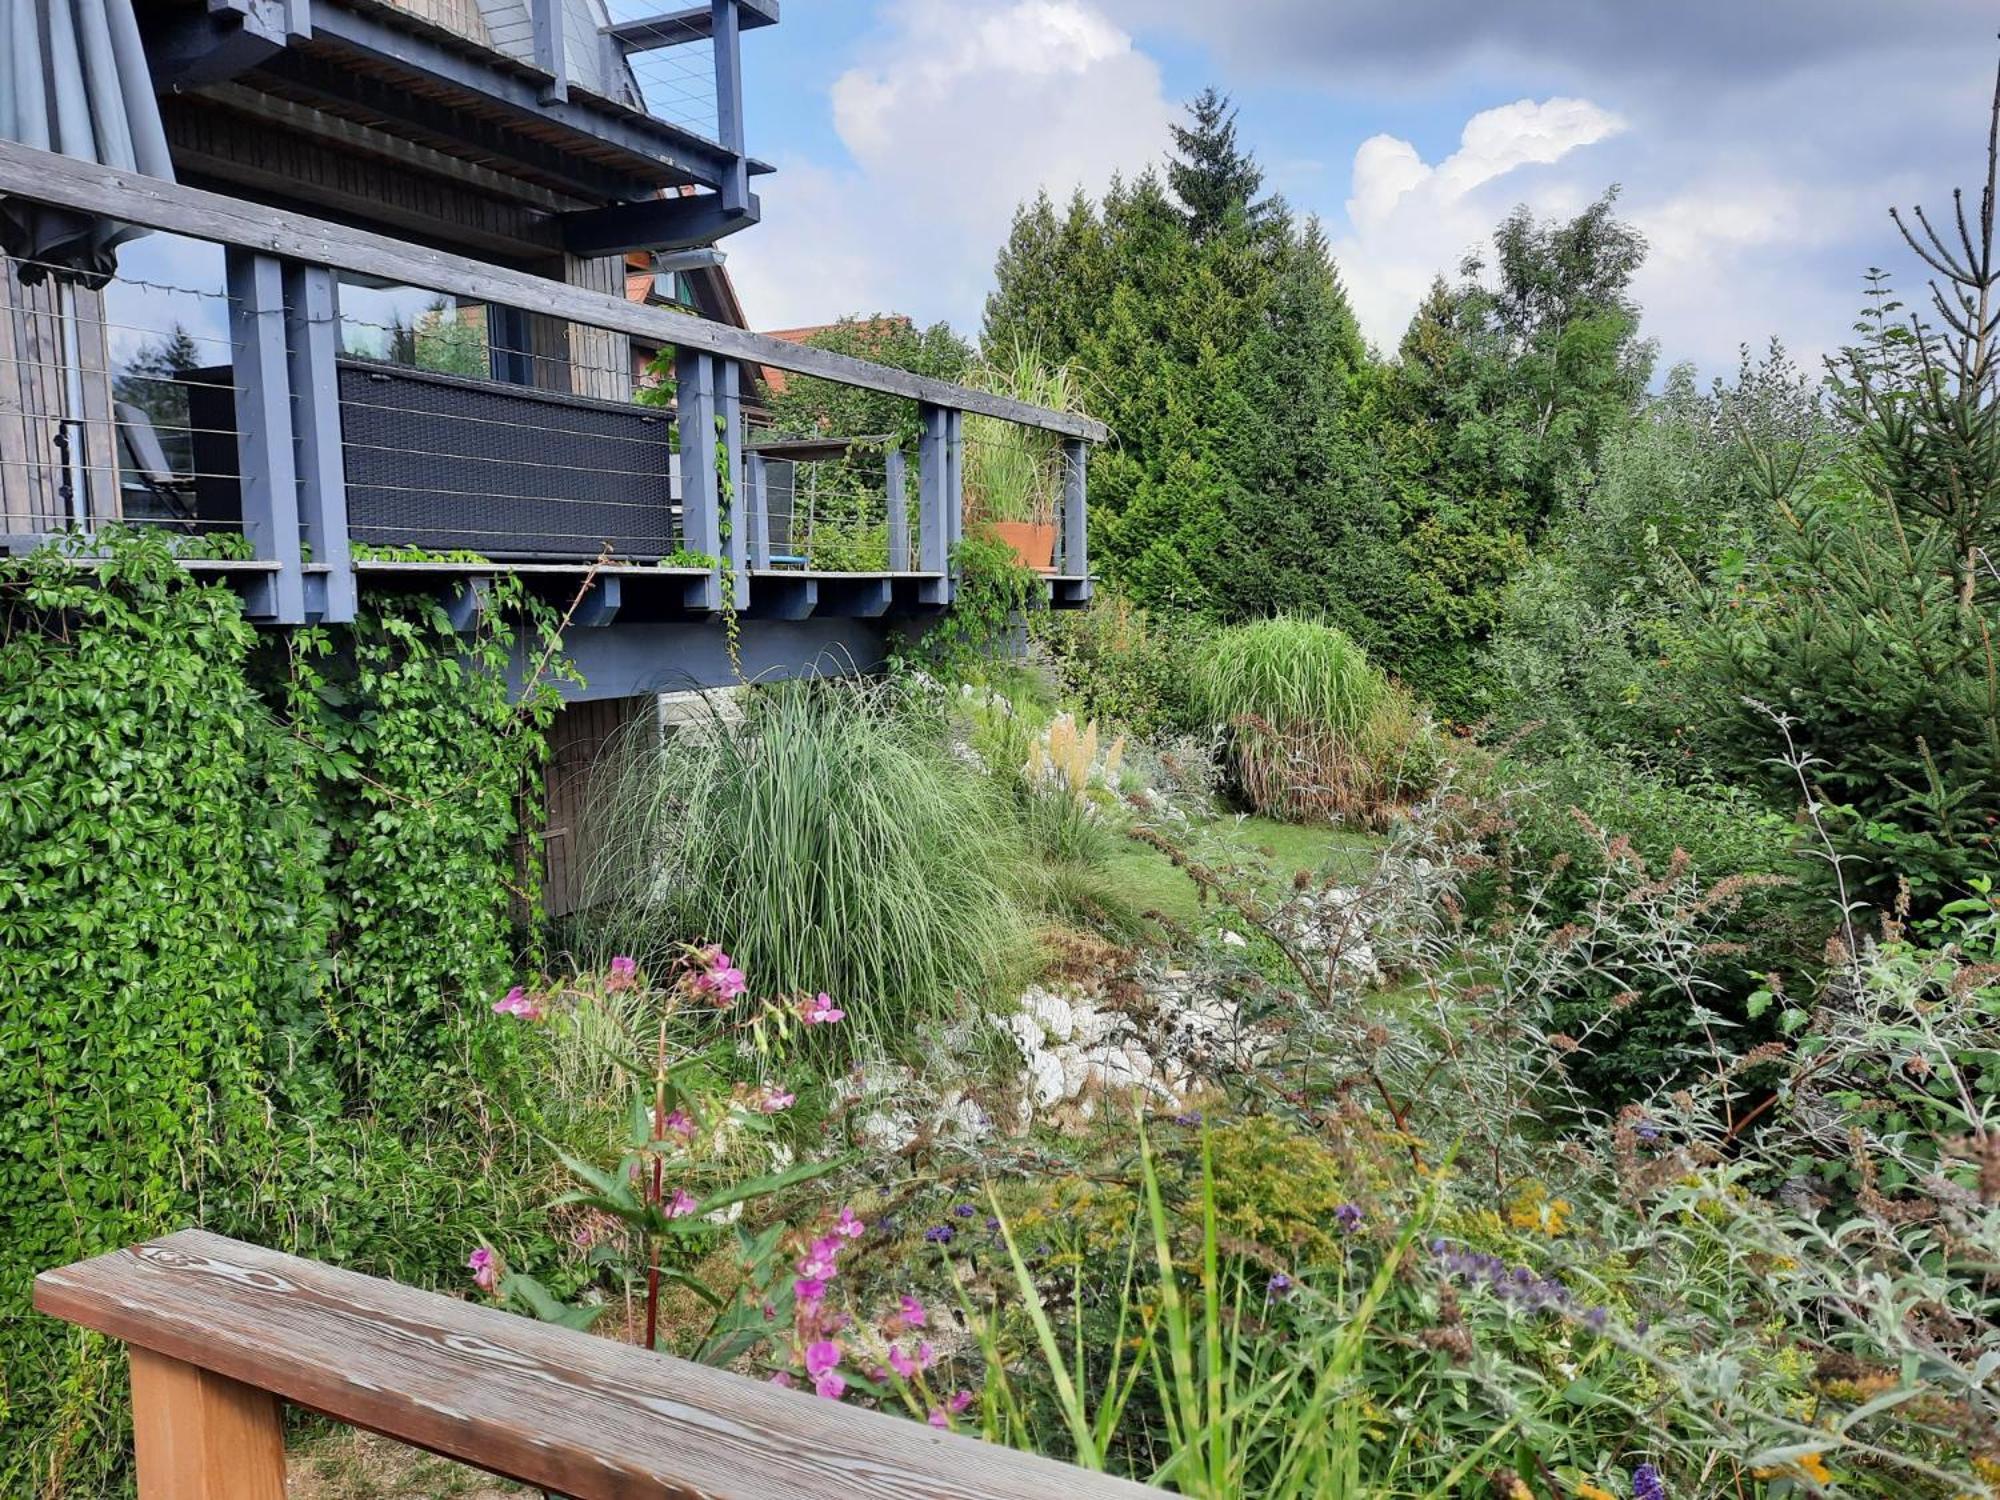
(337,448)
(222,1333)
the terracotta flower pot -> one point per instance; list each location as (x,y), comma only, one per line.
(1034,542)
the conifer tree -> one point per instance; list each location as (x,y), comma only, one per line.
(1215,180)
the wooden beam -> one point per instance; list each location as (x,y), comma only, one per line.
(933,529)
(551,47)
(549,1407)
(88,187)
(898,510)
(202,1436)
(265,458)
(312,320)
(1076,513)
(701,501)
(690,23)
(675,222)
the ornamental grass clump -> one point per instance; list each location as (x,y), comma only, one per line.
(829,835)
(1316,730)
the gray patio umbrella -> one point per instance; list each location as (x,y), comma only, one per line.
(73,79)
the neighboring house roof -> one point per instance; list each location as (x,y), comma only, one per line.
(880,327)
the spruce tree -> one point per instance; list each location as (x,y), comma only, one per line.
(1215,180)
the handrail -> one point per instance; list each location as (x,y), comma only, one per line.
(89,188)
(220,1331)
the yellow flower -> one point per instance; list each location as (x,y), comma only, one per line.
(1810,1466)
(1585,1490)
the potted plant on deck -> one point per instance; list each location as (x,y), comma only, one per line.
(1013,474)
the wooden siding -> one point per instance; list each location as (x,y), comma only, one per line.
(32,406)
(577,739)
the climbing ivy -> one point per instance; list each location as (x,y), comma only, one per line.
(255,889)
(994,590)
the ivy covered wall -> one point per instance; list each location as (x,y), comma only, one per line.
(252,887)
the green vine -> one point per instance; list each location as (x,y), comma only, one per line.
(725,509)
(994,589)
(256,892)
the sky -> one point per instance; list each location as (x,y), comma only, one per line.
(1757,144)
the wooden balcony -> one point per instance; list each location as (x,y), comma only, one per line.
(329,474)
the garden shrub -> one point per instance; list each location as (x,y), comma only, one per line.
(829,840)
(1124,666)
(1317,731)
(1578,823)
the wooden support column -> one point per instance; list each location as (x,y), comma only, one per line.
(201,1436)
(756,484)
(313,340)
(933,525)
(725,24)
(550,48)
(694,383)
(1076,514)
(264,455)
(954,481)
(735,549)
(898,511)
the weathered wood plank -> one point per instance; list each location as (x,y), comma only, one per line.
(90,188)
(584,1416)
(202,1436)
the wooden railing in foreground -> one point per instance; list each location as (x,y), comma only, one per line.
(221,1332)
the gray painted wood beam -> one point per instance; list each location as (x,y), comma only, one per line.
(227,38)
(694,391)
(551,48)
(933,530)
(313,342)
(600,603)
(265,458)
(735,549)
(1075,534)
(897,508)
(670,223)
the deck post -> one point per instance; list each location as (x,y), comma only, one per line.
(266,463)
(898,509)
(933,527)
(551,47)
(954,482)
(701,518)
(726,32)
(736,536)
(756,482)
(1075,517)
(202,1436)
(313,336)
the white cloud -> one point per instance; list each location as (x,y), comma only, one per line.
(1409,220)
(970,107)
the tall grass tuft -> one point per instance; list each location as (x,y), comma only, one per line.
(1014,473)
(827,841)
(1318,732)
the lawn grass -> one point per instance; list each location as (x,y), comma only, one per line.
(1155,884)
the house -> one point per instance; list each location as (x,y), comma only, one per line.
(445,241)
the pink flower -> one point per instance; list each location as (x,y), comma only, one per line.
(959,1402)
(721,980)
(681,1204)
(624,974)
(809,1289)
(849,1226)
(676,1123)
(822,1357)
(913,1311)
(906,1366)
(820,1010)
(485,1268)
(518,1002)
(820,1259)
(771,1099)
(938,1418)
(583,1237)
(783,1378)
(830,1386)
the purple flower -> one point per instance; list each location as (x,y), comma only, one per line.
(680,1205)
(912,1311)
(940,1234)
(1189,1120)
(1647,1484)
(624,974)
(1647,1132)
(1348,1217)
(821,1357)
(963,1210)
(1278,1285)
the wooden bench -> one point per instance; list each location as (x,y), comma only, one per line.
(221,1333)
